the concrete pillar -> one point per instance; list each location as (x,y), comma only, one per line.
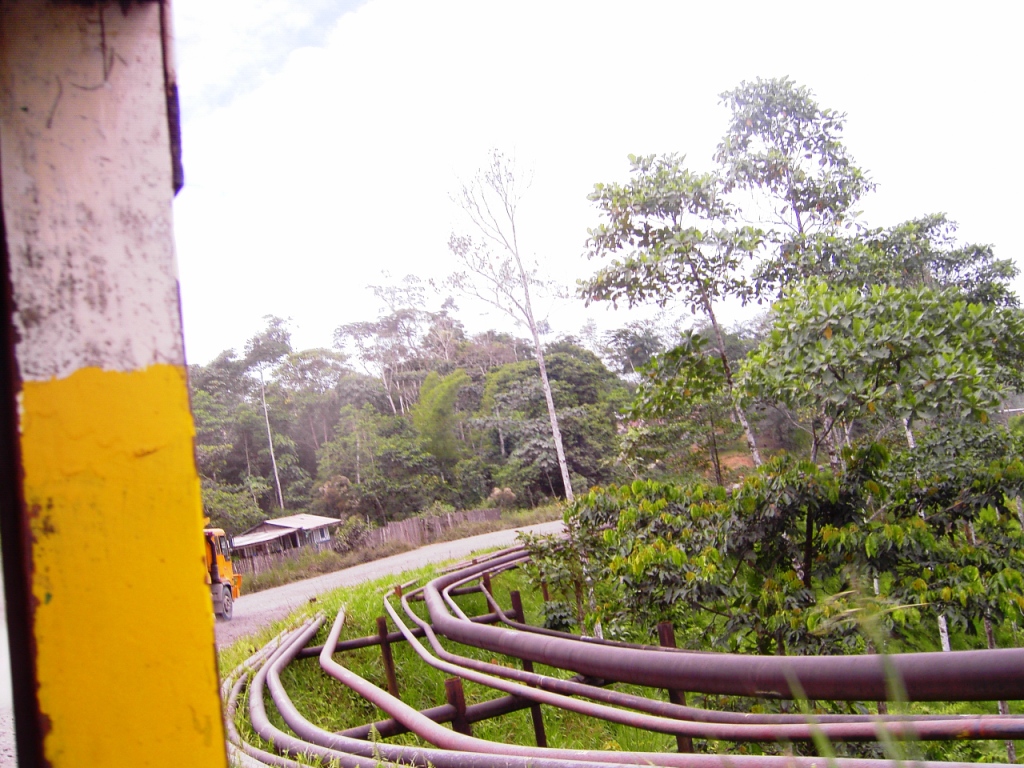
(111,621)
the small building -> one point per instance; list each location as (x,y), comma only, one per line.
(283,534)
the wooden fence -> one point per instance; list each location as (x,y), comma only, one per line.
(414,532)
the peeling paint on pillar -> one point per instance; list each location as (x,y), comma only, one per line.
(121,616)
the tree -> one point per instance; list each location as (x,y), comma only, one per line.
(681,396)
(633,346)
(782,144)
(311,377)
(834,356)
(262,352)
(663,221)
(514,411)
(787,152)
(434,417)
(388,348)
(382,462)
(920,253)
(443,338)
(495,270)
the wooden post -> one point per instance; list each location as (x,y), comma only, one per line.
(667,639)
(385,652)
(544,591)
(535,712)
(487,582)
(456,697)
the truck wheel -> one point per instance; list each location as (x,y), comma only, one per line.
(226,606)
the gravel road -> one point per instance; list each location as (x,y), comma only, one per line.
(253,612)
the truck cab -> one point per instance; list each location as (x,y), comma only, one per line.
(225,584)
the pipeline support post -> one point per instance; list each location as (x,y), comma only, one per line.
(457,698)
(385,653)
(535,712)
(667,639)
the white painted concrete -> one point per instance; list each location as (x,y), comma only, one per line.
(87,189)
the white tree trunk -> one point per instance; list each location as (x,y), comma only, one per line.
(556,433)
(741,417)
(270,441)
(943,632)
(495,217)
(911,443)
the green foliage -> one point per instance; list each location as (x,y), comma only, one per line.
(834,356)
(633,346)
(684,408)
(233,508)
(662,221)
(341,447)
(434,416)
(796,557)
(922,252)
(781,143)
(513,410)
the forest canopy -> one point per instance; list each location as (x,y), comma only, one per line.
(842,474)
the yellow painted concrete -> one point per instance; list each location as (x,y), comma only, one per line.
(123,620)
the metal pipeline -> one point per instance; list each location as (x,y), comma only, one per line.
(959,675)
(971,727)
(837,678)
(667,709)
(507,756)
(502,756)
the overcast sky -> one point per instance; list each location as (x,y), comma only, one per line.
(322,138)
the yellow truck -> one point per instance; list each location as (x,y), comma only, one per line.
(225,584)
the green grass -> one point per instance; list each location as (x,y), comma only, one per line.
(310,564)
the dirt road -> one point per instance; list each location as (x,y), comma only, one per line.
(252,612)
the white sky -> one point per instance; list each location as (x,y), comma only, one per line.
(322,138)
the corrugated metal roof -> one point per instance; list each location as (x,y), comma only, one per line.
(248,539)
(300,522)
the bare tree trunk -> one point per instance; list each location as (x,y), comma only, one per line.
(727,370)
(495,217)
(357,456)
(714,451)
(835,458)
(391,401)
(943,632)
(1004,707)
(501,435)
(270,440)
(911,443)
(556,433)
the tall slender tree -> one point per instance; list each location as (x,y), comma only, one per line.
(262,353)
(496,271)
(671,226)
